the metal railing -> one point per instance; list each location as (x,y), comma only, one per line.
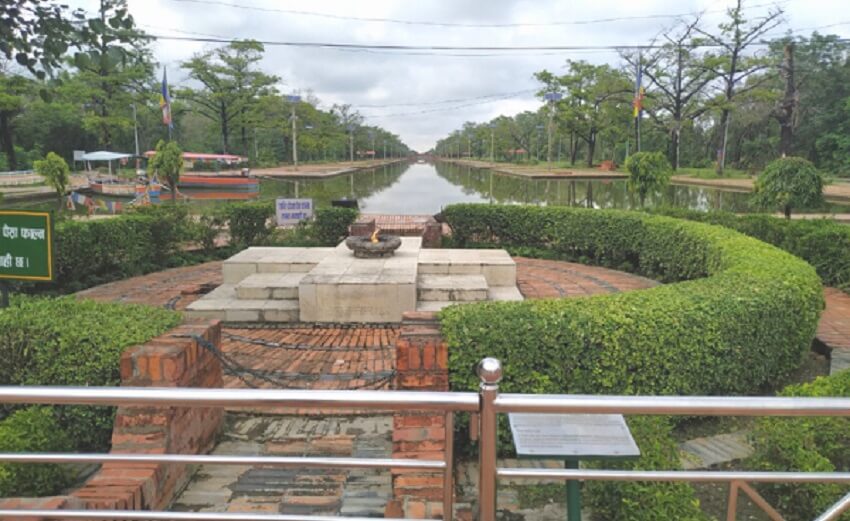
(486,405)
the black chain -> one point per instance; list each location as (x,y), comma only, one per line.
(232,367)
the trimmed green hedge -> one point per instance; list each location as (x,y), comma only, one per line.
(737,316)
(742,324)
(66,341)
(809,444)
(823,243)
(33,429)
(89,253)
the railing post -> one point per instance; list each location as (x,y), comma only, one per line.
(490,373)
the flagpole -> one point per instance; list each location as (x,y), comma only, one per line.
(638,107)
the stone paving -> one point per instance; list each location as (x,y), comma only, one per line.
(834,328)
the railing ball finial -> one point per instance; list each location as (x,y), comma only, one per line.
(490,371)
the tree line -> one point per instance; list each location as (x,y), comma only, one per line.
(76,81)
(729,96)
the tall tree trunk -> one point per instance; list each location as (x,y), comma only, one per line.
(785,114)
(573,148)
(674,148)
(724,139)
(8,142)
(591,148)
(224,130)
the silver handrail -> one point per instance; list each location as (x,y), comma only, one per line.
(487,403)
(492,403)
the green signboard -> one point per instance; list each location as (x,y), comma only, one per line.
(26,245)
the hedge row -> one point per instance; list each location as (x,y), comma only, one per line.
(809,444)
(823,243)
(737,317)
(89,253)
(64,341)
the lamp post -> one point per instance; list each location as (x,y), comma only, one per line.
(492,126)
(351,142)
(552,98)
(293,100)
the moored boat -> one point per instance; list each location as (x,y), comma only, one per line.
(113,187)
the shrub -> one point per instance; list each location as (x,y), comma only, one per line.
(94,252)
(823,243)
(331,225)
(809,444)
(638,500)
(739,316)
(788,183)
(55,171)
(168,164)
(33,429)
(249,222)
(66,341)
(745,326)
(648,171)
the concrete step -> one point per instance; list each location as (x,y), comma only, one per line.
(223,304)
(269,286)
(703,453)
(451,288)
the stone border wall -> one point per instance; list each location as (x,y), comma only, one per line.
(422,360)
(170,360)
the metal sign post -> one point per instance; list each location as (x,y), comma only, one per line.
(572,438)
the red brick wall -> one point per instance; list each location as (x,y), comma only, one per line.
(421,365)
(166,361)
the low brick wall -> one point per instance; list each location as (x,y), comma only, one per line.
(170,360)
(421,365)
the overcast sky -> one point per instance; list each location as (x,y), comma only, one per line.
(417,80)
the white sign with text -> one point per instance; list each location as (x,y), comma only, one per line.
(292,211)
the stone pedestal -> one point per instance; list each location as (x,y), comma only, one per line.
(342,288)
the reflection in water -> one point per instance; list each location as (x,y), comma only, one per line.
(422,188)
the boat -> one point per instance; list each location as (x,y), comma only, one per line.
(113,187)
(220,183)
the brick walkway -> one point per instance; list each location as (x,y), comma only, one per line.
(556,279)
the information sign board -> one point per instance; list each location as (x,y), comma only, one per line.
(26,245)
(583,436)
(293,211)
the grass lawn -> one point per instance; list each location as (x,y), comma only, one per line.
(709,173)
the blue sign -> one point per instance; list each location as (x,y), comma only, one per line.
(289,212)
(293,98)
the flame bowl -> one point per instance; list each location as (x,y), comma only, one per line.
(364,248)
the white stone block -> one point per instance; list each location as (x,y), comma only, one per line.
(234,272)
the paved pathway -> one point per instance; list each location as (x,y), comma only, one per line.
(834,328)
(839,192)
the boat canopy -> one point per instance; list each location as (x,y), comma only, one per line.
(103,155)
(195,156)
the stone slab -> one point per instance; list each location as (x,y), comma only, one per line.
(452,288)
(342,288)
(497,266)
(223,304)
(839,360)
(702,453)
(269,286)
(271,260)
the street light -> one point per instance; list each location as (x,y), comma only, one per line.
(492,126)
(293,100)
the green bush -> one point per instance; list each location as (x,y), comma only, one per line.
(648,172)
(788,183)
(738,317)
(823,243)
(809,444)
(33,429)
(66,341)
(331,224)
(638,500)
(249,222)
(89,253)
(743,324)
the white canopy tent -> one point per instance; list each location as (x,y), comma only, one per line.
(103,155)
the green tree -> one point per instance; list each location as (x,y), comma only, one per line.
(231,87)
(788,183)
(12,99)
(648,172)
(115,70)
(56,173)
(36,33)
(168,163)
(733,65)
